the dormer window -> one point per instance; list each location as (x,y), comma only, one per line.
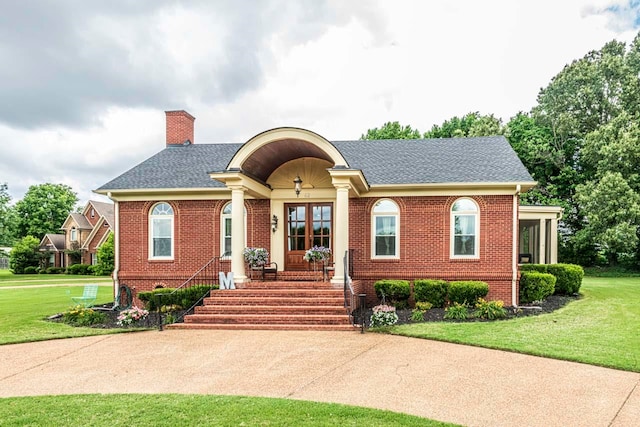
(93,213)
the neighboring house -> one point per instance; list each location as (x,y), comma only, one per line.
(438,208)
(54,246)
(83,233)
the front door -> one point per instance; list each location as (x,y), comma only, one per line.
(308,225)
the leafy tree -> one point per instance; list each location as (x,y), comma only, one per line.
(7,217)
(612,211)
(44,209)
(614,147)
(391,130)
(472,124)
(24,254)
(106,257)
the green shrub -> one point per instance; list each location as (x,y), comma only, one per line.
(417,315)
(31,270)
(569,278)
(540,268)
(26,253)
(83,269)
(183,298)
(55,270)
(456,312)
(83,316)
(433,291)
(396,292)
(490,310)
(424,305)
(105,258)
(467,292)
(535,286)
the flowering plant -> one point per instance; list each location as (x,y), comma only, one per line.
(384,315)
(130,315)
(255,256)
(317,253)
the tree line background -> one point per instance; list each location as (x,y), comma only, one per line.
(580,142)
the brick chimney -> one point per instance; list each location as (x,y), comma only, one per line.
(179,127)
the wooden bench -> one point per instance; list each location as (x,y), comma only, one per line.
(89,295)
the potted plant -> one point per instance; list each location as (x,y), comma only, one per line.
(317,254)
(255,257)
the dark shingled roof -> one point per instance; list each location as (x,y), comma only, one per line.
(417,161)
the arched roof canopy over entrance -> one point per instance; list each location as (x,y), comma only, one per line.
(265,152)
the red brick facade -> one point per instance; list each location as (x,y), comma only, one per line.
(425,239)
(179,127)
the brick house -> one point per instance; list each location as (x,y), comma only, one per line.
(82,231)
(438,208)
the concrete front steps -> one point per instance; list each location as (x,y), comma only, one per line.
(283,305)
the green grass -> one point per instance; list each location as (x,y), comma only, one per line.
(192,410)
(23,312)
(599,329)
(9,279)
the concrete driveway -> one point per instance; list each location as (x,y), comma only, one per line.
(447,382)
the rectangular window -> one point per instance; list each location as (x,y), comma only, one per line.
(385,235)
(227,237)
(74,235)
(464,240)
(161,237)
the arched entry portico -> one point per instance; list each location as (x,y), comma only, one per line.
(265,168)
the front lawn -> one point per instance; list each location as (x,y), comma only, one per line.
(9,279)
(23,312)
(601,328)
(192,410)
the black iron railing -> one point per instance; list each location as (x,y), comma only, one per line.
(354,304)
(206,275)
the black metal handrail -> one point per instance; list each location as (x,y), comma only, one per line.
(207,274)
(353,305)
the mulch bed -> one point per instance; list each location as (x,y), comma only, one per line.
(549,305)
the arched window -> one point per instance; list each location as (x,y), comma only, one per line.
(385,226)
(161,231)
(465,229)
(225,230)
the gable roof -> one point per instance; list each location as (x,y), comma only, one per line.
(103,209)
(80,220)
(383,162)
(56,240)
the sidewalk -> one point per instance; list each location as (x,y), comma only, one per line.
(447,382)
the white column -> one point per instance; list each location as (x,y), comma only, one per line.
(237,234)
(340,232)
(554,241)
(542,240)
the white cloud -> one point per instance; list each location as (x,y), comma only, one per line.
(336,68)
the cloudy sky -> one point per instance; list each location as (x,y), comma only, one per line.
(84,84)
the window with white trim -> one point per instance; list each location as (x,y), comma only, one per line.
(465,228)
(385,229)
(74,235)
(225,230)
(161,231)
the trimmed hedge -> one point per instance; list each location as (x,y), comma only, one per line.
(467,292)
(396,292)
(184,298)
(83,269)
(568,276)
(55,270)
(536,286)
(431,290)
(30,270)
